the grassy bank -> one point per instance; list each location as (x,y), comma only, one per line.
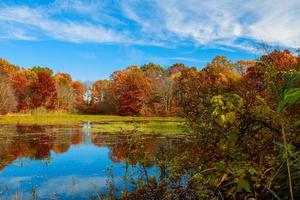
(99,123)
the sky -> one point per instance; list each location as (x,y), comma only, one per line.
(90,39)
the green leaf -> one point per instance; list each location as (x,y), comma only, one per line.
(244,184)
(230,117)
(297,123)
(291,96)
(252,170)
(290,78)
(221,120)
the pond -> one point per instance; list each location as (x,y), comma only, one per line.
(70,162)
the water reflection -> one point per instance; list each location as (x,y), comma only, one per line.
(66,162)
(36,142)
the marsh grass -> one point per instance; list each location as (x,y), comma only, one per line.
(161,127)
(99,123)
(63,119)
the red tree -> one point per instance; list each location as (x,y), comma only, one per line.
(21,82)
(78,88)
(280,60)
(44,92)
(132,90)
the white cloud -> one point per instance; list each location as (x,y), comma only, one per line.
(34,22)
(188,59)
(218,24)
(279,23)
(90,6)
(222,23)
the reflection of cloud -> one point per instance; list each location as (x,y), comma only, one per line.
(65,184)
(10,187)
(13,182)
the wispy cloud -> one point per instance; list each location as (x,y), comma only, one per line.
(218,24)
(188,59)
(222,23)
(85,7)
(24,22)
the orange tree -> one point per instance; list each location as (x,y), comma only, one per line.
(132,90)
(43,90)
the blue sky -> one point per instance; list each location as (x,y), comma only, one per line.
(92,38)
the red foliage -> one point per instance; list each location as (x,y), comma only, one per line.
(62,77)
(21,85)
(178,67)
(132,89)
(280,60)
(255,80)
(78,91)
(44,92)
(253,84)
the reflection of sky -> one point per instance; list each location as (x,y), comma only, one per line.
(85,165)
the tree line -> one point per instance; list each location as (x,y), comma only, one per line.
(147,90)
(24,89)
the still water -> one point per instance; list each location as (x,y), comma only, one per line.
(69,162)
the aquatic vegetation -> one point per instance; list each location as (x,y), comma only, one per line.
(52,118)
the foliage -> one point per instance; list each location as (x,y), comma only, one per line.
(149,90)
(39,69)
(103,98)
(7,99)
(246,134)
(291,97)
(65,91)
(44,92)
(132,89)
(35,87)
(243,122)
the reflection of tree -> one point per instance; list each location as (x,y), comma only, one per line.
(61,148)
(147,149)
(175,161)
(36,142)
(128,148)
(77,137)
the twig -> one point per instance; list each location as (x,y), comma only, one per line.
(287,161)
(225,175)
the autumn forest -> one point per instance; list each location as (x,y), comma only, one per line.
(148,90)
